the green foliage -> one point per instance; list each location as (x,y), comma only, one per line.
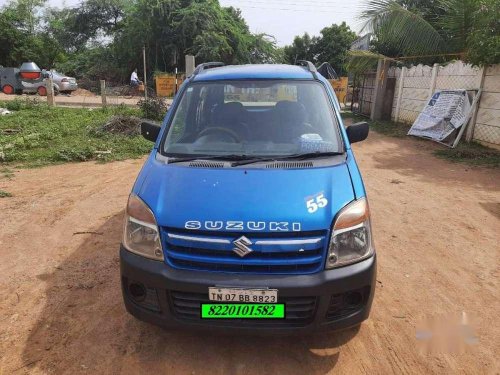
(402,28)
(5,194)
(153,108)
(48,135)
(484,39)
(470,28)
(302,48)
(103,39)
(361,61)
(6,173)
(18,104)
(331,46)
(471,153)
(21,37)
(91,64)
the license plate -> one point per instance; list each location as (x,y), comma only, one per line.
(242,311)
(242,295)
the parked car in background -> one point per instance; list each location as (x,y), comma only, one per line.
(63,83)
(30,79)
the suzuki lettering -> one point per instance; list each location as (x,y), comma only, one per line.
(274,226)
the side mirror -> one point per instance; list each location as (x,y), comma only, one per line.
(358,132)
(150,130)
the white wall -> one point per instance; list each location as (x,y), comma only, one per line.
(420,82)
(487,127)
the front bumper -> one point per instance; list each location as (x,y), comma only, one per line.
(337,299)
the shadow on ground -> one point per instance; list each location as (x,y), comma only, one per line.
(84,328)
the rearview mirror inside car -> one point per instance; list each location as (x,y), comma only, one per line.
(150,130)
(358,132)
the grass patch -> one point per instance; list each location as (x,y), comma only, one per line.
(350,115)
(390,129)
(36,135)
(471,153)
(5,194)
(6,173)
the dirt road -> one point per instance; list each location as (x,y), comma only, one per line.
(437,234)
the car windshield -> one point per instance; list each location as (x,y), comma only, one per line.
(253,118)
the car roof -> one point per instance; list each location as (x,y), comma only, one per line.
(255,71)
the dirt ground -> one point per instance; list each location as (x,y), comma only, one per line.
(437,235)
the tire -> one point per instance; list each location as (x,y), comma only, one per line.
(42,91)
(8,90)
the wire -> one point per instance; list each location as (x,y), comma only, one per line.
(322,10)
(302,3)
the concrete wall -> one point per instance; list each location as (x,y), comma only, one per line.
(415,85)
(487,128)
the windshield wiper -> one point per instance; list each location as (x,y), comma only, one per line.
(303,156)
(209,157)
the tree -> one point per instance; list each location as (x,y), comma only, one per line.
(302,48)
(74,28)
(27,13)
(333,44)
(21,38)
(10,37)
(434,27)
(484,39)
(105,38)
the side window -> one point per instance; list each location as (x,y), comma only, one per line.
(180,119)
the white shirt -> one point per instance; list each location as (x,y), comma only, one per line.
(134,77)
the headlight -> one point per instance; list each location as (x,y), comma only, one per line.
(140,235)
(351,239)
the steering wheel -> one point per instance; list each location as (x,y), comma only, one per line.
(217,129)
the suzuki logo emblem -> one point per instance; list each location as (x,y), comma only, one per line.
(241,246)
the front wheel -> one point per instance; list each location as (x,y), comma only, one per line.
(8,90)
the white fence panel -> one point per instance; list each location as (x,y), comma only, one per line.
(487,128)
(419,82)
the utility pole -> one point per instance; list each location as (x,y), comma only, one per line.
(145,80)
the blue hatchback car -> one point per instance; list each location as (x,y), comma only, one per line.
(250,212)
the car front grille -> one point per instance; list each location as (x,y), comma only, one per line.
(299,311)
(271,253)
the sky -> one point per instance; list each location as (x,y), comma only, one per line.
(284,19)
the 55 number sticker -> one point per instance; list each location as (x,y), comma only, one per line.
(316,202)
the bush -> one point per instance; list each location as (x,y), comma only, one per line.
(119,124)
(153,108)
(20,104)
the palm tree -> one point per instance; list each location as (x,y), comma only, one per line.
(417,28)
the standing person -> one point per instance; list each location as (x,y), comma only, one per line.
(134,79)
